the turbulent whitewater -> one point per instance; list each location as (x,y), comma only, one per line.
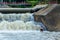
(14,17)
(19,22)
(29,35)
(23,27)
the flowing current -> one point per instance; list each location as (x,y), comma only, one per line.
(19,22)
(23,27)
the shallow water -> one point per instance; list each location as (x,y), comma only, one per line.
(29,35)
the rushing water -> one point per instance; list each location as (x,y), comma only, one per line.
(20,27)
(19,22)
(29,35)
(23,27)
(14,17)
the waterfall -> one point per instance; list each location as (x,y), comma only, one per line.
(14,17)
(19,22)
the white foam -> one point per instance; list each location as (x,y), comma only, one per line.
(19,25)
(29,35)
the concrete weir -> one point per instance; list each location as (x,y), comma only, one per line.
(50,17)
(22,10)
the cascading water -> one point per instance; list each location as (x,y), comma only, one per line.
(19,22)
(19,27)
(23,27)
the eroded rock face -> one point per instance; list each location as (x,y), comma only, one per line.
(52,19)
